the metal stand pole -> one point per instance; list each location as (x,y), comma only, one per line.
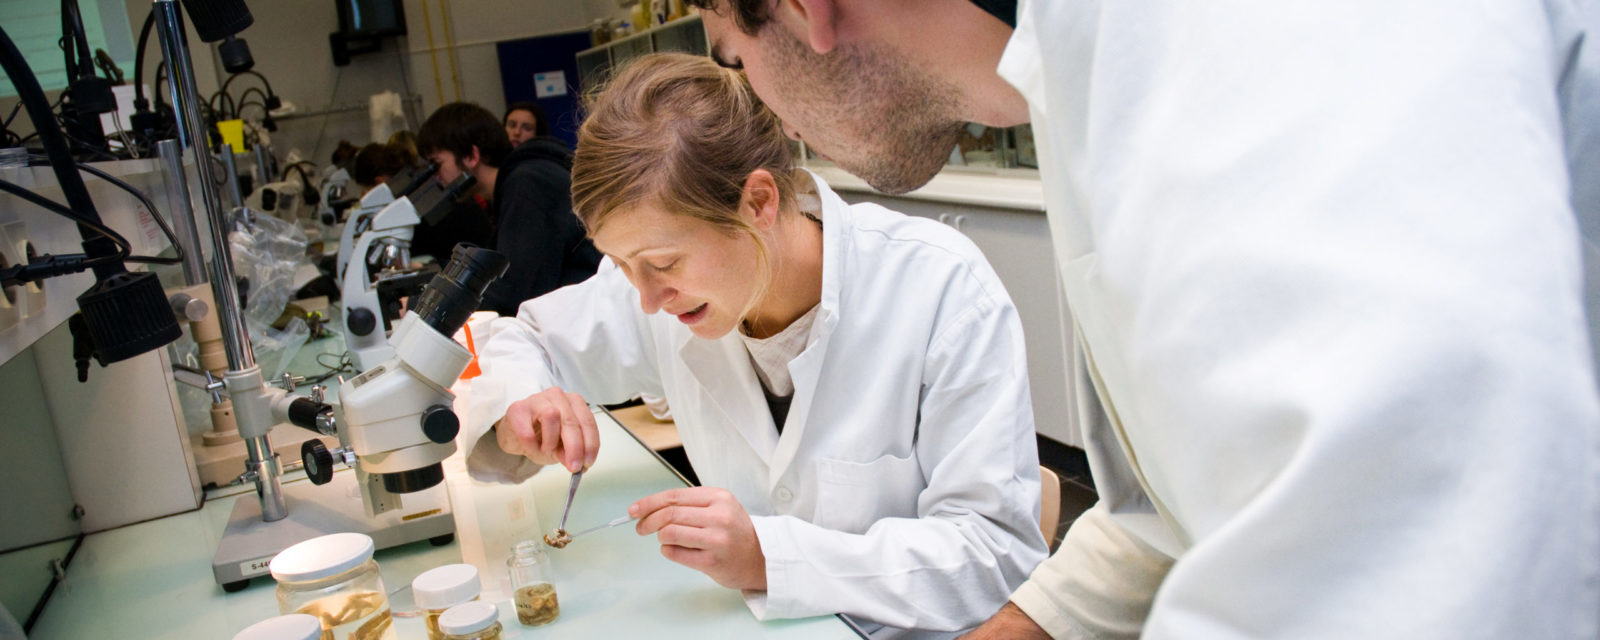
(251,403)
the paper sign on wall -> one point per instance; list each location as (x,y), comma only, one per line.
(549,84)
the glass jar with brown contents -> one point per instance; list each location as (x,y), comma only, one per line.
(334,578)
(535,593)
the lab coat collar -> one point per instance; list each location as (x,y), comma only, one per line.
(806,368)
(723,368)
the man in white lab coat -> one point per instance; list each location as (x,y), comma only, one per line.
(1328,264)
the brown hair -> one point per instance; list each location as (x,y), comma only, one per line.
(750,15)
(681,133)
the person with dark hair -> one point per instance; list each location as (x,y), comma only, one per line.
(344,154)
(467,220)
(375,164)
(529,190)
(526,121)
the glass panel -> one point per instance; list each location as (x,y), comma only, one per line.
(628,49)
(593,67)
(688,36)
(980,146)
(1022,144)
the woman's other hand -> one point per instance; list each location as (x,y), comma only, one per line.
(705,528)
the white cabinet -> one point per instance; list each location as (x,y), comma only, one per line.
(1017,244)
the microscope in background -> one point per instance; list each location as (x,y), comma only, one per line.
(396,425)
(373,203)
(332,203)
(377,271)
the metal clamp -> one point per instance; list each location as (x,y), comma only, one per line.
(289,381)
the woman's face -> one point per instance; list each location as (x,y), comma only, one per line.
(684,267)
(520,126)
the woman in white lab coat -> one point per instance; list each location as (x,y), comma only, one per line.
(849,383)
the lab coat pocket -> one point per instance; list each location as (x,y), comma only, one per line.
(853,495)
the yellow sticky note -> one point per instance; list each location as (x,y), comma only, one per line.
(232,134)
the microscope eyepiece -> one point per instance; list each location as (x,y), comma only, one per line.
(455,293)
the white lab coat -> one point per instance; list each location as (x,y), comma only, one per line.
(905,486)
(1327,275)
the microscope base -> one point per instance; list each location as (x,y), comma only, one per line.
(248,543)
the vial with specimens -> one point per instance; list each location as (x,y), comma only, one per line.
(471,621)
(334,578)
(440,588)
(534,594)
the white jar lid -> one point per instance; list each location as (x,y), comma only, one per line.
(320,557)
(295,626)
(446,586)
(468,617)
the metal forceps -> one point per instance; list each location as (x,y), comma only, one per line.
(572,490)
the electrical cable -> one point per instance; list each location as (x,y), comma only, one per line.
(222,104)
(300,165)
(55,579)
(13,116)
(161,75)
(251,72)
(149,206)
(246,94)
(246,103)
(346,364)
(138,58)
(123,248)
(75,43)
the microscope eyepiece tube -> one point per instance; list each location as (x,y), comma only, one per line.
(455,293)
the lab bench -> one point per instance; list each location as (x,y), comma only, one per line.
(153,579)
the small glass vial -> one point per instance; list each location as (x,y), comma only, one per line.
(533,593)
(443,587)
(471,621)
(295,626)
(334,578)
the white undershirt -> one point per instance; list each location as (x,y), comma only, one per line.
(771,356)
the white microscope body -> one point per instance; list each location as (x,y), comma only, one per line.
(359,222)
(384,406)
(397,424)
(390,234)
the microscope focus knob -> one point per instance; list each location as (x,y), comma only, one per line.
(362,321)
(440,424)
(317,460)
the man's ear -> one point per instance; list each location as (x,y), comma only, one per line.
(471,160)
(760,199)
(816,19)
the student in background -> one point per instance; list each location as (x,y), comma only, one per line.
(529,190)
(526,121)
